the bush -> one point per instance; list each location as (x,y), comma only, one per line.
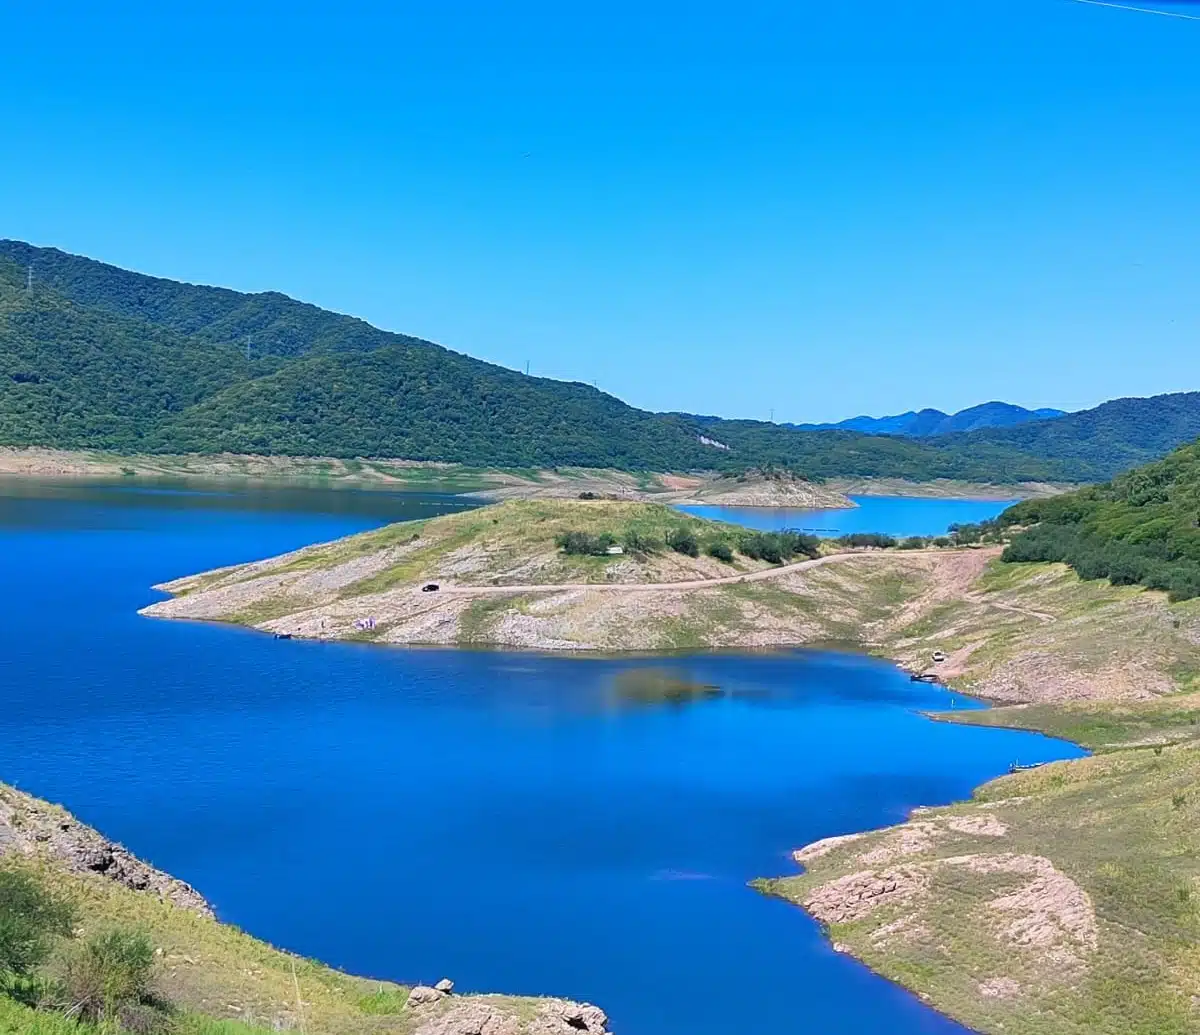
(584,544)
(777,547)
(108,978)
(30,919)
(681,540)
(638,542)
(721,552)
(942,541)
(914,542)
(874,540)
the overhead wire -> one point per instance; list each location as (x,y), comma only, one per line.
(1140,10)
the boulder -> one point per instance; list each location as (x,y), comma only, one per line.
(445,985)
(423,995)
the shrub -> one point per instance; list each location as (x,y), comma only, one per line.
(875,540)
(30,919)
(108,978)
(638,542)
(584,544)
(913,542)
(776,547)
(681,540)
(942,541)
(720,551)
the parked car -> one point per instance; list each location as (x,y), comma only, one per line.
(429,587)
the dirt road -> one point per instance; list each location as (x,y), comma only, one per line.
(642,587)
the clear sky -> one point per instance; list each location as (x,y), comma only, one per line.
(815,209)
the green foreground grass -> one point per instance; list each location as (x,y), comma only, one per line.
(219,979)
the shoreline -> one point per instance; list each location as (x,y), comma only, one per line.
(36,463)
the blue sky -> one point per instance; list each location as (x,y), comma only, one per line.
(810,209)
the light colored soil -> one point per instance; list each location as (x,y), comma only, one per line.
(944,488)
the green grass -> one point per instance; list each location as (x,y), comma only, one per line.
(384,1002)
(1125,826)
(1098,725)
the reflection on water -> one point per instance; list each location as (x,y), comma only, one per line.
(20,499)
(657,685)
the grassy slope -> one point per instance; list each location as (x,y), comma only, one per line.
(506,535)
(99,356)
(225,982)
(1121,825)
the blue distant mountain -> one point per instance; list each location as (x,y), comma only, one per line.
(927,423)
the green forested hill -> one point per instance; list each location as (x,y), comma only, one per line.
(1143,527)
(98,357)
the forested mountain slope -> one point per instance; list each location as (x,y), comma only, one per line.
(1103,441)
(1142,527)
(97,357)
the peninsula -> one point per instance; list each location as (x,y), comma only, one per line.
(577,575)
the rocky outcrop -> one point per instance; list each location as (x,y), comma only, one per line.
(438,1013)
(36,828)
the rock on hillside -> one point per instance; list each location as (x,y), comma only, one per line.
(37,828)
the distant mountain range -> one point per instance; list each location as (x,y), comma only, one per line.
(96,357)
(928,423)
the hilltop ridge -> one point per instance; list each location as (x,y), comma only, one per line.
(927,423)
(95,357)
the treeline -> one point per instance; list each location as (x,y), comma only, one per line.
(773,547)
(1142,528)
(97,357)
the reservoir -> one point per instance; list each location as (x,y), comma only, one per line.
(504,819)
(896,515)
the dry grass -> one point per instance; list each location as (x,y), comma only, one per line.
(1099,938)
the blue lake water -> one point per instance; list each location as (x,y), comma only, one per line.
(497,817)
(895,515)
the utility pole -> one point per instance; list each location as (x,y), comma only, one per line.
(772,414)
(29,278)
(526,368)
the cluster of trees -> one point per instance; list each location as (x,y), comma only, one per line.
(98,357)
(584,544)
(774,547)
(105,979)
(1142,528)
(778,547)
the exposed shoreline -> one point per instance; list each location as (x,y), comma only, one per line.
(491,484)
(211,967)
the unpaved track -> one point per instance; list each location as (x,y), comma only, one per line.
(728,580)
(642,587)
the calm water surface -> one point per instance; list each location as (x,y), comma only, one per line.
(895,515)
(496,817)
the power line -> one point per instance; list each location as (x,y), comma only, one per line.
(1140,10)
